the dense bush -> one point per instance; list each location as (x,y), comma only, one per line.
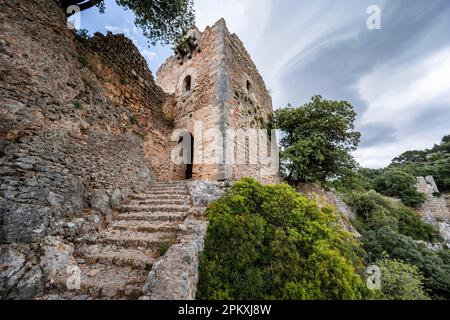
(400,281)
(401,184)
(269,242)
(434,266)
(375,211)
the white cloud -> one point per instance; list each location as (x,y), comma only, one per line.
(113,29)
(396,93)
(147,54)
(381,156)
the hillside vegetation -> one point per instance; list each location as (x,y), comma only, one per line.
(270,242)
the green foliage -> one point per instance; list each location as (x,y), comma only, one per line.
(123,81)
(269,242)
(433,162)
(350,182)
(83,60)
(82,34)
(317,139)
(375,211)
(434,266)
(163,21)
(391,229)
(77,104)
(399,183)
(134,119)
(400,281)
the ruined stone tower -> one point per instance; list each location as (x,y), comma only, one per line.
(216,87)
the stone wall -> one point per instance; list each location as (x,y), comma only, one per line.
(128,82)
(81,120)
(249,108)
(82,127)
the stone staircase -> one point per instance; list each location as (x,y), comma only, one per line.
(116,263)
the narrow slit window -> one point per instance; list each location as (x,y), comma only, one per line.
(187,84)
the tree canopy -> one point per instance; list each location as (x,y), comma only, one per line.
(163,21)
(434,162)
(399,183)
(317,139)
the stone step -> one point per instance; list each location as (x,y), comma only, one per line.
(176,189)
(160,202)
(169,184)
(155,208)
(147,196)
(136,258)
(154,216)
(111,282)
(145,226)
(169,192)
(134,238)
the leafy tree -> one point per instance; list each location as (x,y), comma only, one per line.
(434,162)
(163,21)
(316,140)
(269,242)
(399,183)
(400,281)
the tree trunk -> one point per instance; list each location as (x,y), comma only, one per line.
(82,5)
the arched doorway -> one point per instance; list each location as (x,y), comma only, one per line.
(187,139)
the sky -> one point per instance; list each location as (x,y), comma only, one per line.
(396,77)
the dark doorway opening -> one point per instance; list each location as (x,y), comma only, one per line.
(188,146)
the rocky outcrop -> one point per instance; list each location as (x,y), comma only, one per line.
(330,198)
(28,270)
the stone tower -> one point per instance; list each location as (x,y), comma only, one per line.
(220,100)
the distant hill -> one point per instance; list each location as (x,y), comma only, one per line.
(434,162)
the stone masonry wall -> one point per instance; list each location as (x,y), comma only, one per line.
(128,82)
(249,108)
(197,105)
(81,127)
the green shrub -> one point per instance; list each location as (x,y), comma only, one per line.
(434,266)
(437,194)
(77,104)
(401,184)
(375,211)
(83,60)
(82,35)
(400,281)
(269,242)
(134,119)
